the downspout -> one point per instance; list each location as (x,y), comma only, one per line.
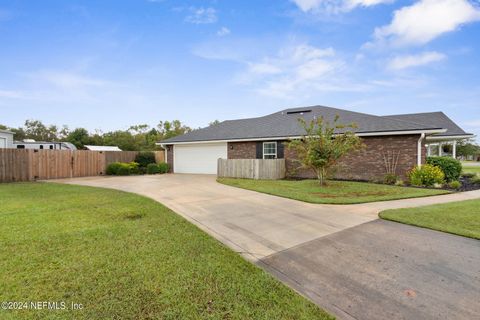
(419,149)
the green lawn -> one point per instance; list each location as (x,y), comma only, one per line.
(123,256)
(472,169)
(462,218)
(336,192)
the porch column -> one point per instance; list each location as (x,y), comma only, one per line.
(439,149)
(454,149)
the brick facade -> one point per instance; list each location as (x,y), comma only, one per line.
(170,157)
(242,150)
(367,164)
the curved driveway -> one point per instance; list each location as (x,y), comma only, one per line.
(253,224)
(339,256)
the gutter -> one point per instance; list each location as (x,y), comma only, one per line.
(419,149)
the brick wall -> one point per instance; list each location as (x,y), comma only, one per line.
(170,157)
(242,150)
(368,164)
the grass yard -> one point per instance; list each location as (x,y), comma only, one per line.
(462,218)
(471,169)
(336,192)
(123,256)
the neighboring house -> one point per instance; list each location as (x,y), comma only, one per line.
(43,145)
(6,139)
(265,137)
(103,148)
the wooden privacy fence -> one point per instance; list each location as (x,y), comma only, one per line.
(28,165)
(268,169)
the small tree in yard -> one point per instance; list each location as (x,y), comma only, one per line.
(321,147)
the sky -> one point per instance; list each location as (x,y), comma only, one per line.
(106,65)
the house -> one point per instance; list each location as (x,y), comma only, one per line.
(436,144)
(6,139)
(265,137)
(102,148)
(43,145)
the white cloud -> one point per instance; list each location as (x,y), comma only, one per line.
(473,123)
(295,68)
(67,80)
(335,6)
(224,31)
(201,15)
(11,94)
(426,20)
(408,61)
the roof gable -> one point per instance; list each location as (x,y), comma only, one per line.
(432,118)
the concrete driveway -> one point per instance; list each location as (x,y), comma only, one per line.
(253,224)
(341,257)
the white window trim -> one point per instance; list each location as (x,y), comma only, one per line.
(269,154)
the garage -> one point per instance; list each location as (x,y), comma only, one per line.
(198,158)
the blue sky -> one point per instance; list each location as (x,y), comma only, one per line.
(111,64)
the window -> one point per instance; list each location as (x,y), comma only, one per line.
(20,146)
(269,150)
(51,147)
(41,147)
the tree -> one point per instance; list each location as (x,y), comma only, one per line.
(169,129)
(79,137)
(35,129)
(467,148)
(324,144)
(213,123)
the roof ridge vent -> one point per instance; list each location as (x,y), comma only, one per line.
(299,111)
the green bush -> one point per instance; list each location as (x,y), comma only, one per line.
(152,168)
(469,174)
(475,179)
(112,168)
(455,184)
(123,169)
(163,167)
(390,178)
(426,176)
(452,168)
(144,158)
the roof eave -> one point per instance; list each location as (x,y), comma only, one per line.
(360,134)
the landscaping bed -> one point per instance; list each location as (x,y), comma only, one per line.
(335,192)
(123,256)
(461,218)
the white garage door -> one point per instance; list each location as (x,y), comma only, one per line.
(198,158)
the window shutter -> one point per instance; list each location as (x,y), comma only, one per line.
(280,148)
(259,150)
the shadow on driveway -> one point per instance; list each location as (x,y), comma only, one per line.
(385,270)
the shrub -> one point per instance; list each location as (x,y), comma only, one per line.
(399,183)
(390,178)
(452,168)
(122,168)
(475,179)
(163,167)
(426,176)
(152,168)
(112,168)
(144,158)
(468,174)
(455,184)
